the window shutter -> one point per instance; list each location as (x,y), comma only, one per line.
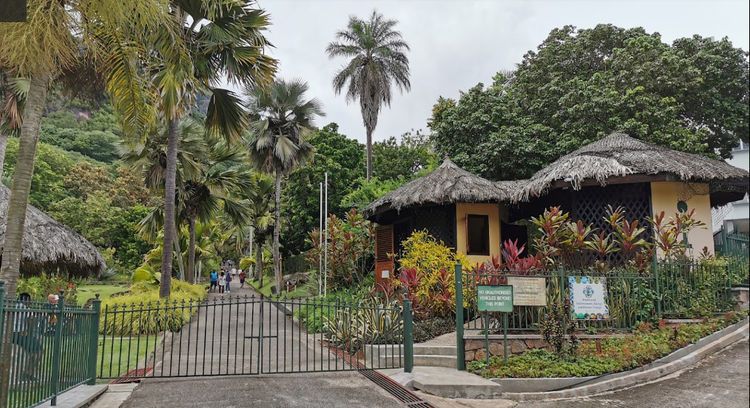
(383,242)
(466,234)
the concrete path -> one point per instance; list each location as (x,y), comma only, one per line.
(718,381)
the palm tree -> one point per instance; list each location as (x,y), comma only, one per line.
(378,60)
(12,94)
(224,40)
(280,113)
(54,41)
(260,216)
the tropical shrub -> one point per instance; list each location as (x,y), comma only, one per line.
(150,313)
(427,275)
(41,286)
(556,324)
(369,322)
(433,327)
(350,249)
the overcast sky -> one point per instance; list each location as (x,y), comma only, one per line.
(456,44)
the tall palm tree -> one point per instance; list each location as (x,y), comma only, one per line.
(55,39)
(377,60)
(12,95)
(224,39)
(260,216)
(280,114)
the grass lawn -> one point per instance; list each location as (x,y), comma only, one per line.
(85,292)
(301,291)
(116,356)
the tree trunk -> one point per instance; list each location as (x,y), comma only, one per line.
(191,250)
(3,145)
(259,263)
(277,233)
(19,192)
(169,208)
(178,255)
(369,154)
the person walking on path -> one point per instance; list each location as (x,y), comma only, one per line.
(229,279)
(242,279)
(222,282)
(214,280)
(26,337)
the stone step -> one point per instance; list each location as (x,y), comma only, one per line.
(435,361)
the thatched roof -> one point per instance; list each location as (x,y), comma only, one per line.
(48,245)
(445,185)
(619,155)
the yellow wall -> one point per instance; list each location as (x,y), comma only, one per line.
(666,194)
(489,209)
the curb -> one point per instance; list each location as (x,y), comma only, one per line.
(736,332)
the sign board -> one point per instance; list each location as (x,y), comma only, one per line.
(528,291)
(385,273)
(588,298)
(495,298)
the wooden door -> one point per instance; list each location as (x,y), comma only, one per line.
(384,262)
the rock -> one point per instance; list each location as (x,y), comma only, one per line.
(474,344)
(497,349)
(517,347)
(480,355)
(536,344)
(469,356)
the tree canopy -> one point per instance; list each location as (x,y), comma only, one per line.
(582,84)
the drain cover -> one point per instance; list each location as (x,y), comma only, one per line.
(407,397)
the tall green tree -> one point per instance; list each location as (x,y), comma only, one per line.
(378,60)
(260,216)
(276,145)
(582,84)
(344,160)
(394,158)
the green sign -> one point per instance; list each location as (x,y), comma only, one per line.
(495,298)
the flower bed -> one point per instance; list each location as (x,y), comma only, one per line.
(610,355)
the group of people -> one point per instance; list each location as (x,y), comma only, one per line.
(221,281)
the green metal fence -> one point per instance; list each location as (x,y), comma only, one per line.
(669,289)
(244,336)
(45,349)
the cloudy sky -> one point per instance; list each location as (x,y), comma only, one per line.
(456,44)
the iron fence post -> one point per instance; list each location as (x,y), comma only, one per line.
(563,299)
(460,351)
(56,348)
(655,266)
(4,382)
(94,340)
(408,338)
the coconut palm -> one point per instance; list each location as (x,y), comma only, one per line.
(377,60)
(55,40)
(12,94)
(280,113)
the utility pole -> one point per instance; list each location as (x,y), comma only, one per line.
(325,253)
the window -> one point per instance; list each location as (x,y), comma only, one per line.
(477,234)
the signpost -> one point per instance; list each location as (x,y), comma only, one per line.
(495,299)
(528,291)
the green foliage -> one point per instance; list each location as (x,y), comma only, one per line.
(170,314)
(617,354)
(366,192)
(426,329)
(582,84)
(313,317)
(41,286)
(395,159)
(344,160)
(556,324)
(350,249)
(50,167)
(427,274)
(371,321)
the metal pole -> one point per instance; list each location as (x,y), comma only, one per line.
(56,348)
(94,340)
(563,297)
(505,338)
(325,253)
(320,244)
(460,351)
(408,338)
(4,363)
(655,266)
(487,337)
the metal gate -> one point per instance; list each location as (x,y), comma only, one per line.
(248,336)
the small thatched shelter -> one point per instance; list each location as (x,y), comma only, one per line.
(645,179)
(455,206)
(50,246)
(620,159)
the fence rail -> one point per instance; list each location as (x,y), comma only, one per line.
(45,349)
(669,289)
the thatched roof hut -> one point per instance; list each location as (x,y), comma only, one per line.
(49,245)
(619,156)
(445,185)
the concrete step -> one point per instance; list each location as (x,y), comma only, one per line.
(435,350)
(435,361)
